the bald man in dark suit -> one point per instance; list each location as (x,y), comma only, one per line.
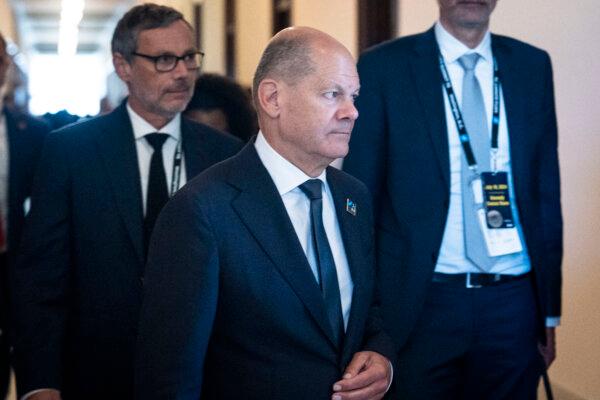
(260,278)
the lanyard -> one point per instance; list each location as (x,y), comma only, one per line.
(176,169)
(460,124)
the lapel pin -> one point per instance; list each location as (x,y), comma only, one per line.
(351,207)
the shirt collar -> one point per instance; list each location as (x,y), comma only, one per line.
(452,48)
(141,127)
(286,175)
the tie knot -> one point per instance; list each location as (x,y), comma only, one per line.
(469,61)
(312,188)
(156,140)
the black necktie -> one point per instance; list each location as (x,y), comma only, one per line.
(327,272)
(158,194)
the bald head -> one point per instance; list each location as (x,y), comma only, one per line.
(304,91)
(292,54)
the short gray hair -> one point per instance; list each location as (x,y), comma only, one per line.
(141,18)
(287,57)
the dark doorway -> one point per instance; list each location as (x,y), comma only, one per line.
(230,38)
(282,14)
(377,22)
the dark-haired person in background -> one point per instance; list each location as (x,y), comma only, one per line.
(21,139)
(220,102)
(100,185)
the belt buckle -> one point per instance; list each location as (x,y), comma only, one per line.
(468,283)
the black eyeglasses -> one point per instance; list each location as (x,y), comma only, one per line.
(168,62)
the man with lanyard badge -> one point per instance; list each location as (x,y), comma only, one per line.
(457,140)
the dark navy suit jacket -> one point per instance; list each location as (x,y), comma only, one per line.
(79,276)
(25,136)
(399,149)
(232,309)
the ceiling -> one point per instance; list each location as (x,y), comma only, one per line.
(38,24)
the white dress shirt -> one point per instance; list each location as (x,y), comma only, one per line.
(287,177)
(452,258)
(144,150)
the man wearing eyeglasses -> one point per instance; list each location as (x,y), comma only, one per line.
(101,184)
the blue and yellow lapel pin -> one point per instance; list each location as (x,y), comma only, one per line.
(351,207)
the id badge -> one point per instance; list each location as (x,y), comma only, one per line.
(498,212)
(496,218)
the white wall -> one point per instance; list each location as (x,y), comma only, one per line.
(569,31)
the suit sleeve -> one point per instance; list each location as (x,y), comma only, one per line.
(376,337)
(549,195)
(367,158)
(41,274)
(179,305)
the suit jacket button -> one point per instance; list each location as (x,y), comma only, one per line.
(434,256)
(142,280)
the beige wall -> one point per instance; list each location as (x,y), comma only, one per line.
(253,31)
(569,31)
(213,35)
(254,27)
(7,26)
(336,17)
(183,6)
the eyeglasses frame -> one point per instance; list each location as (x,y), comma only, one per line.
(154,59)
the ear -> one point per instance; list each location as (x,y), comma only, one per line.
(269,97)
(122,67)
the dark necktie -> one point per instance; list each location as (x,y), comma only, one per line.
(326,265)
(158,194)
(473,111)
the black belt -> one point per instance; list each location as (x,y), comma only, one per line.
(476,280)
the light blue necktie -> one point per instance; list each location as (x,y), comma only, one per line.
(474,115)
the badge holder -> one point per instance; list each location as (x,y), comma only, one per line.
(492,204)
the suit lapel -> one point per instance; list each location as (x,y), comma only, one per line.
(350,228)
(428,82)
(513,93)
(194,153)
(260,208)
(116,145)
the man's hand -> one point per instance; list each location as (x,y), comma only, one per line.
(43,394)
(366,377)
(548,350)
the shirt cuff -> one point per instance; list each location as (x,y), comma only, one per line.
(391,377)
(28,395)
(552,322)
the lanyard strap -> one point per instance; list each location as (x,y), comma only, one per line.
(175,177)
(460,123)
